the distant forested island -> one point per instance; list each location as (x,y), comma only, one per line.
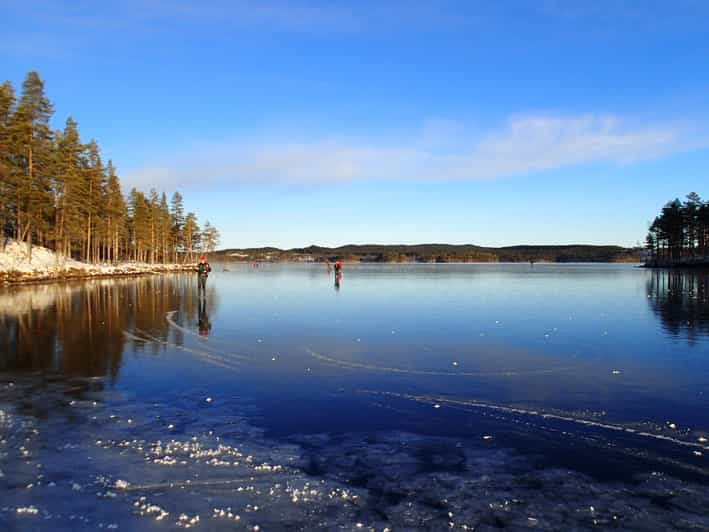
(679,235)
(439,253)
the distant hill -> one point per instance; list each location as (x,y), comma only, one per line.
(435,253)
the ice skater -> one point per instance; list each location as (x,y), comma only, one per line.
(338,274)
(203,269)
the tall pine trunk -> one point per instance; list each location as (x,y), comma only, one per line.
(30,169)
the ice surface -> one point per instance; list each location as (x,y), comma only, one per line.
(141,456)
(427,482)
(109,473)
(330,360)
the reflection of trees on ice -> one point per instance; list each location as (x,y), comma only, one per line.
(78,328)
(680,298)
(71,328)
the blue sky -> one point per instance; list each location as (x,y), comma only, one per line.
(295,122)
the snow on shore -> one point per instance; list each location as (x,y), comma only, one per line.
(15,265)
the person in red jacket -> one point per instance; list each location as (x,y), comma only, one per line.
(203,269)
(338,273)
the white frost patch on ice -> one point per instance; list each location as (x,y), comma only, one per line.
(145,508)
(185,521)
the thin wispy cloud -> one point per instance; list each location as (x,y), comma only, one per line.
(85,22)
(535,144)
(524,145)
(651,15)
(84,25)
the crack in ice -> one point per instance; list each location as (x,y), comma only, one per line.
(437,401)
(175,325)
(371,367)
(204,355)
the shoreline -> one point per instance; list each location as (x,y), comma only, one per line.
(220,260)
(20,277)
(17,277)
(46,266)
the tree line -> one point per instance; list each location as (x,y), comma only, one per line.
(439,253)
(680,233)
(55,191)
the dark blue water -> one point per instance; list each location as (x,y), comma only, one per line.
(407,397)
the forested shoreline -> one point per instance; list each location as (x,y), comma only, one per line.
(436,253)
(679,235)
(56,192)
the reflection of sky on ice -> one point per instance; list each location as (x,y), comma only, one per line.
(413,397)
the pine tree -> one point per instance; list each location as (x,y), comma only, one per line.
(30,142)
(93,182)
(690,213)
(191,235)
(703,222)
(177,220)
(116,214)
(139,210)
(210,238)
(7,105)
(154,216)
(164,228)
(68,183)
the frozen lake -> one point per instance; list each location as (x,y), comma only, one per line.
(409,397)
